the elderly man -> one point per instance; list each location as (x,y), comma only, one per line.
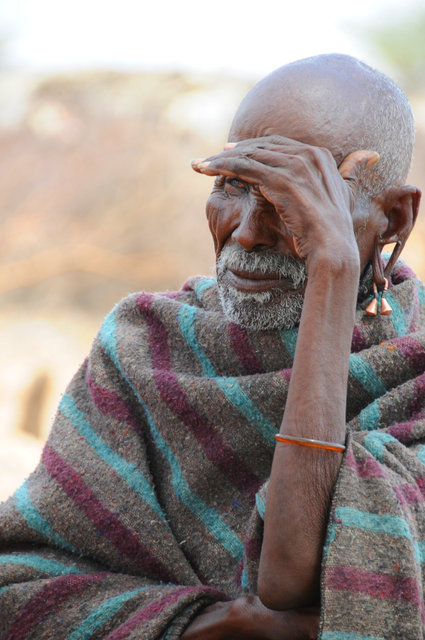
(243,458)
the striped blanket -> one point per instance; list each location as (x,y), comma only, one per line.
(147,503)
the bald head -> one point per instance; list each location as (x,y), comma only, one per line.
(337,102)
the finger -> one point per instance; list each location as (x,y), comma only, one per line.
(276,143)
(251,147)
(356,162)
(253,169)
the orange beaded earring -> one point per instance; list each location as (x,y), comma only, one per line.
(379,303)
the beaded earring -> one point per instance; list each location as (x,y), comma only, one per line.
(379,303)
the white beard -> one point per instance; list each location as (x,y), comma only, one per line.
(272,309)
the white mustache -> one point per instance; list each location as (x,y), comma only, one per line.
(265,261)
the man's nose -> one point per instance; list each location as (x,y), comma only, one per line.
(257,228)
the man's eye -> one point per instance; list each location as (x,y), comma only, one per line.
(234,184)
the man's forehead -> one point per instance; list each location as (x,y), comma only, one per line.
(293,124)
(318,101)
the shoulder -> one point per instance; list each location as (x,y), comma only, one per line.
(197,291)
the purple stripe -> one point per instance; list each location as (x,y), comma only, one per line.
(253,548)
(171,393)
(286,374)
(408,494)
(358,342)
(413,351)
(241,346)
(238,576)
(377,585)
(420,483)
(401,274)
(154,609)
(47,600)
(157,333)
(366,467)
(104,521)
(416,408)
(112,404)
(403,431)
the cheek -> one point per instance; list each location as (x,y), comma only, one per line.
(222,219)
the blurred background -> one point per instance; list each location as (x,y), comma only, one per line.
(102,106)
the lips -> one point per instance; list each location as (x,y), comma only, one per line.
(254,281)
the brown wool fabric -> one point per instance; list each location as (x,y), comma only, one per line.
(147,502)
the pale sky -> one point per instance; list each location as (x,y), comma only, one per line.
(234,35)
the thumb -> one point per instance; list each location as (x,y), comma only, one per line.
(352,167)
(355,163)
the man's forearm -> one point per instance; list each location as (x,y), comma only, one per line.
(302,479)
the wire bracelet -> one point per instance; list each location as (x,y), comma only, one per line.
(308,442)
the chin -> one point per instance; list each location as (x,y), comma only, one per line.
(260,311)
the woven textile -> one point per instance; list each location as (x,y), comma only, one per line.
(147,503)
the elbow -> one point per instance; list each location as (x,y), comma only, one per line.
(288,588)
(278,598)
(268,595)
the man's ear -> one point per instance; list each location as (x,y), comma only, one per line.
(400,205)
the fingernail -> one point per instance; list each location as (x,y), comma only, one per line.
(203,165)
(197,161)
(296,246)
(230,145)
(373,160)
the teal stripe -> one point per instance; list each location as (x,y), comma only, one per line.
(421,294)
(347,635)
(289,339)
(244,580)
(330,537)
(3,589)
(261,506)
(375,442)
(203,285)
(127,471)
(109,342)
(241,401)
(376,523)
(380,523)
(102,614)
(367,377)
(420,552)
(36,521)
(421,454)
(397,317)
(206,514)
(230,387)
(186,319)
(370,416)
(52,567)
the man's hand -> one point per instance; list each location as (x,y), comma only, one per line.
(302,182)
(247,619)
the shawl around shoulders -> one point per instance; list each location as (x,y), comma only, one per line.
(148,500)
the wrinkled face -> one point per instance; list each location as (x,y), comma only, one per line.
(261,281)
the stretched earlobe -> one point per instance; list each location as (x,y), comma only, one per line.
(377,267)
(394,257)
(401,206)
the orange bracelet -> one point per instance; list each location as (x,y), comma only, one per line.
(308,442)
